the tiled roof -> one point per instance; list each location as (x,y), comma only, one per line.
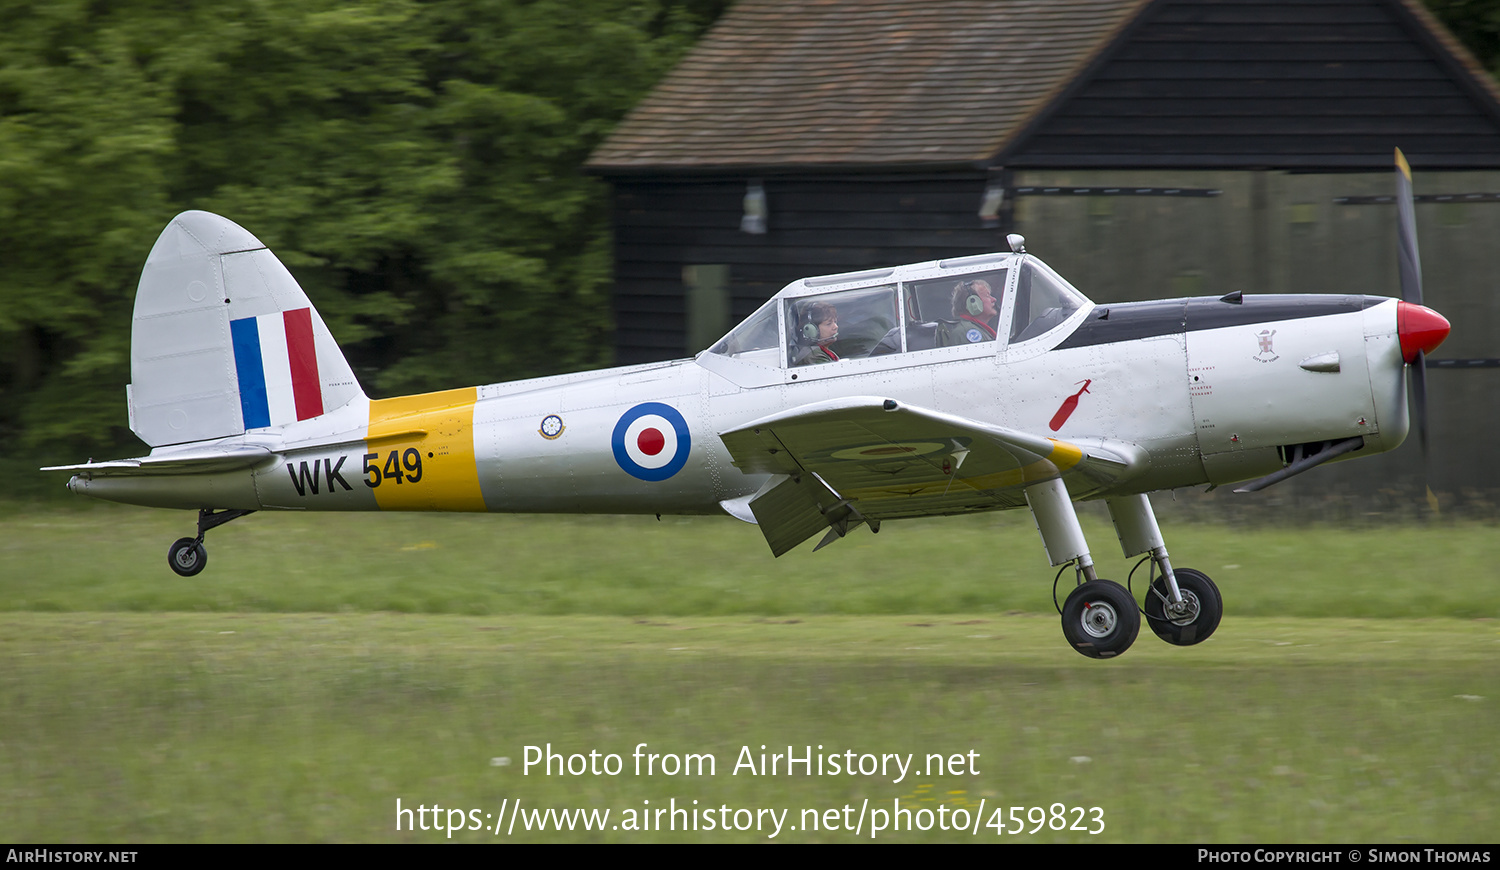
(863,83)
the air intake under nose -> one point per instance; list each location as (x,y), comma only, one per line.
(1421,329)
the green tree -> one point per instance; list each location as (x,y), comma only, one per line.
(415,164)
(1476,23)
(85,137)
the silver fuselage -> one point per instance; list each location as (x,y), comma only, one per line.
(1212,391)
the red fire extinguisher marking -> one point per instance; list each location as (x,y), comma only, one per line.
(1069,405)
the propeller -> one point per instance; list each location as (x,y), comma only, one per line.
(1414,318)
(1419,329)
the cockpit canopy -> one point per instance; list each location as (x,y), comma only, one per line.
(983,302)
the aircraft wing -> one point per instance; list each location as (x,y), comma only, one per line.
(189,461)
(868,459)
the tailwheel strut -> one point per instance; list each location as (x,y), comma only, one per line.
(188,556)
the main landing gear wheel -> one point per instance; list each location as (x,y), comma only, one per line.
(187,556)
(1100,619)
(1204,608)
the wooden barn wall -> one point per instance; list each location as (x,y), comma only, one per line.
(815,227)
(1275,83)
(1281,232)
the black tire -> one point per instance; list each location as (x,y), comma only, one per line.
(1100,619)
(187,557)
(1203,597)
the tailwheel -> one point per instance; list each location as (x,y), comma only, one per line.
(187,556)
(1100,619)
(1202,608)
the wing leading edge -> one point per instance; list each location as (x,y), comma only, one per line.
(867,459)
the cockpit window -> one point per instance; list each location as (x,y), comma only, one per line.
(756,340)
(943,312)
(1042,302)
(952,311)
(834,326)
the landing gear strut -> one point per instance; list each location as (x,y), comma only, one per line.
(187,556)
(1099,617)
(1183,606)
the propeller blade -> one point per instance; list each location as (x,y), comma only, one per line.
(1406,234)
(1411,291)
(1419,402)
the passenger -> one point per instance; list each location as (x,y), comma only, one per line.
(817,328)
(978,313)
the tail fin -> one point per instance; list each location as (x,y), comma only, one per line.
(224,340)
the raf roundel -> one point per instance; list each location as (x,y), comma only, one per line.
(651,441)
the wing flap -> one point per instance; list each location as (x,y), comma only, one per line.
(791,512)
(886,459)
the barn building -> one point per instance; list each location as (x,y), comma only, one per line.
(1145,148)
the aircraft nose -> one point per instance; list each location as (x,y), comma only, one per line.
(1421,329)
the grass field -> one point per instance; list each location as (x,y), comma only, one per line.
(325,666)
(108,557)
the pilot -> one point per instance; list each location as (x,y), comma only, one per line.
(817,328)
(977,312)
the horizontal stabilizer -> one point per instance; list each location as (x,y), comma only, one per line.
(193,461)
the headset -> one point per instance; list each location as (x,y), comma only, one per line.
(809,327)
(972,302)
